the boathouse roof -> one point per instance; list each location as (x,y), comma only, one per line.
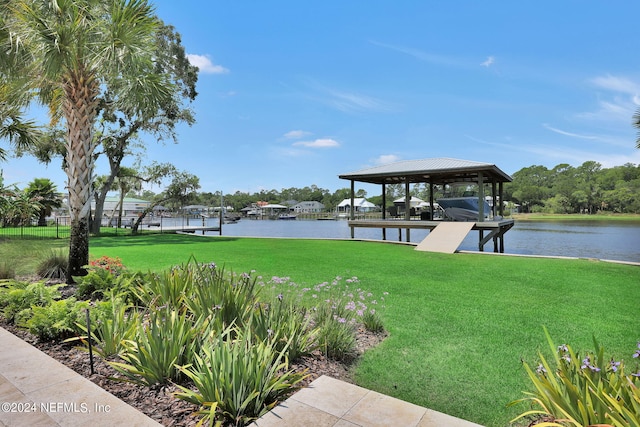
(439,170)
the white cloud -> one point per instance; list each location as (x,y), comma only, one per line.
(205,65)
(349,102)
(565,133)
(386,159)
(490,60)
(319,143)
(420,54)
(295,134)
(617,84)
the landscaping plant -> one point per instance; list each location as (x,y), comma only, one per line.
(584,390)
(244,377)
(164,340)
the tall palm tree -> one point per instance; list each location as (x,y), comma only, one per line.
(65,53)
(636,124)
(44,190)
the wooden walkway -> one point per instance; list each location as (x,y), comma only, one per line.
(446,237)
(495,229)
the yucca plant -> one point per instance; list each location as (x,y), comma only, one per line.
(244,378)
(115,324)
(163,341)
(226,298)
(583,391)
(167,289)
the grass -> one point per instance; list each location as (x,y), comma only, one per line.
(459,324)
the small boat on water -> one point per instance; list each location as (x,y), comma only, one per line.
(463,208)
(287,216)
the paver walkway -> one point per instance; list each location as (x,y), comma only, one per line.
(328,402)
(36,390)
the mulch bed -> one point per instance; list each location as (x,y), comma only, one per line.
(159,403)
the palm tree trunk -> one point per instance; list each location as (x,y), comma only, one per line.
(80,112)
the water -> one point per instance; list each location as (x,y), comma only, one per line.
(617,240)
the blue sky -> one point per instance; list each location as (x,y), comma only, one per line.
(294,93)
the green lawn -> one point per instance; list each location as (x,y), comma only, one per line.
(459,324)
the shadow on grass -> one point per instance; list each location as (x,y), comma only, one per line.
(153,239)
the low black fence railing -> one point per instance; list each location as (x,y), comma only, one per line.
(55,229)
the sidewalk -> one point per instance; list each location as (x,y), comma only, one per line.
(36,390)
(328,402)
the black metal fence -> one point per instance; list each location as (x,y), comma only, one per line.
(55,229)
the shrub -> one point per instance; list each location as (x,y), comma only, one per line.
(112,265)
(18,296)
(7,271)
(113,324)
(54,266)
(286,325)
(372,321)
(581,391)
(166,339)
(54,320)
(337,338)
(245,379)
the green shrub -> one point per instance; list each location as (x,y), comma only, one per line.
(54,265)
(55,320)
(372,321)
(164,340)
(18,296)
(337,338)
(113,323)
(244,378)
(286,325)
(7,271)
(583,391)
(225,298)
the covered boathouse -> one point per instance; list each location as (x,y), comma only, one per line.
(442,172)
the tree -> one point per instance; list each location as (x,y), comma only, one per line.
(65,54)
(45,191)
(181,190)
(118,130)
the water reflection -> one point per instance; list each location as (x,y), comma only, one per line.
(583,239)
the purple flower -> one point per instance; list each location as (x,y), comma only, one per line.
(350,305)
(280,297)
(540,369)
(614,365)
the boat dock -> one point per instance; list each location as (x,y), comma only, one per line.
(443,234)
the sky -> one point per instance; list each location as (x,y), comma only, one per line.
(294,93)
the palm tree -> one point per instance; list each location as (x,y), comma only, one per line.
(66,53)
(47,195)
(636,124)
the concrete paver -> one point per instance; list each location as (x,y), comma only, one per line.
(328,402)
(37,390)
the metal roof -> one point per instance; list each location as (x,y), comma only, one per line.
(439,170)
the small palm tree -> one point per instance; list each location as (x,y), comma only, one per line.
(65,53)
(46,193)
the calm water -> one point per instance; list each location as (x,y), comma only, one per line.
(584,239)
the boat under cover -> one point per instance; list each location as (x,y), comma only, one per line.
(463,208)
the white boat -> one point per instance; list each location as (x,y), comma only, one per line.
(463,208)
(287,216)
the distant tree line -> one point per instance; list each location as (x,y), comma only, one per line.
(588,188)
